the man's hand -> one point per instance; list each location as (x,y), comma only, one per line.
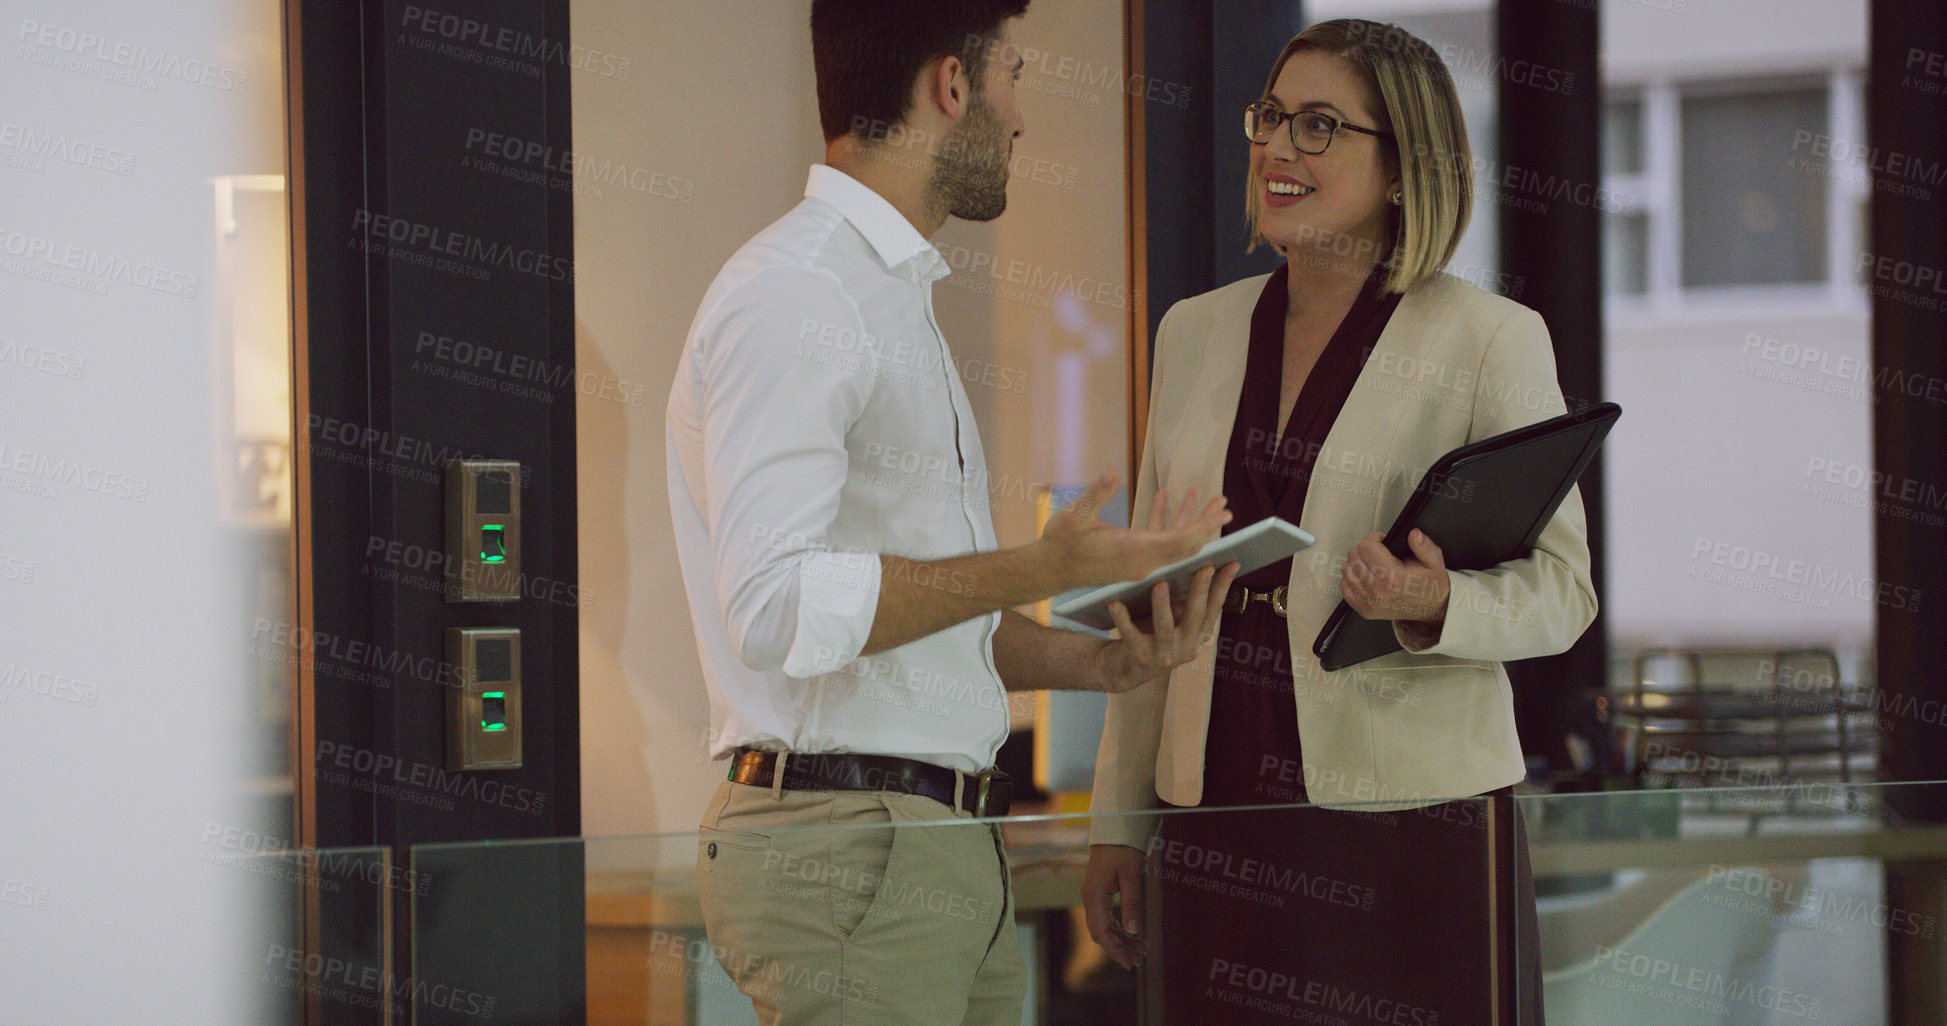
(1078,549)
(1082,550)
(1380,586)
(1115,871)
(1177,630)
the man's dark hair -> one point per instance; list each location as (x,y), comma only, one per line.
(867,53)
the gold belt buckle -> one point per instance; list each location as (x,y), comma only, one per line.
(980,801)
(1276,597)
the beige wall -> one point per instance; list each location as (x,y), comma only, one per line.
(718,108)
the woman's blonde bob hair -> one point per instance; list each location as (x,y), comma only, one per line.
(1419,106)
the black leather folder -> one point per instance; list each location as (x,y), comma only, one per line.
(1484,503)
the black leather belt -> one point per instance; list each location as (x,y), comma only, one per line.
(983,794)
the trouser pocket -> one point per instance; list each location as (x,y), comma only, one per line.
(857,856)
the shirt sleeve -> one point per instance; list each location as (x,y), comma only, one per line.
(776,406)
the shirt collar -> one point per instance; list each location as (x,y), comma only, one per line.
(891,236)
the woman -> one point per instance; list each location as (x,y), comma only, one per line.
(1321,393)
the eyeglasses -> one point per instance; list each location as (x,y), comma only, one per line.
(1311,131)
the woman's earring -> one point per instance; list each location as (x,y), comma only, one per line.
(1396,197)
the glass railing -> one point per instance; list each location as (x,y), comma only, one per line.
(316,951)
(1813,903)
(1803,903)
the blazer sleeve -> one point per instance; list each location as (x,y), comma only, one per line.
(1529,607)
(1125,764)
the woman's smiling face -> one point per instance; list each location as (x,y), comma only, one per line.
(1318,200)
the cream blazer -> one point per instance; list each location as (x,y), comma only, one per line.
(1454,364)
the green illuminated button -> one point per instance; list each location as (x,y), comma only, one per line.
(493,711)
(493,543)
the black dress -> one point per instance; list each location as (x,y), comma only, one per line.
(1306,915)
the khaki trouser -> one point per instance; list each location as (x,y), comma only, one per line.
(832,908)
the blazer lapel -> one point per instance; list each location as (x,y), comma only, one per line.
(1344,500)
(1204,437)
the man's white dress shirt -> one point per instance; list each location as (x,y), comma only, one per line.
(818,420)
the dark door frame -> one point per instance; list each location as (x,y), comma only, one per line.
(433,310)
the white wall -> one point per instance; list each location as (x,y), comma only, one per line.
(1722,527)
(1708,473)
(121,641)
(1727,38)
(720,99)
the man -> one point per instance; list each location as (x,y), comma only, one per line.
(851,604)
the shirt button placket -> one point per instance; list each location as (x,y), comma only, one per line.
(926,279)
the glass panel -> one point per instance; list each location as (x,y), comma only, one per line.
(669,920)
(1625,253)
(1622,136)
(1790,903)
(497,932)
(1299,914)
(1745,221)
(315,948)
(1710,905)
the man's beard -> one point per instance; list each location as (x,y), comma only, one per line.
(970,174)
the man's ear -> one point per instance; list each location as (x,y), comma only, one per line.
(947,86)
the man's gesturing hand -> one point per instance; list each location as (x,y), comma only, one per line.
(1085,551)
(1177,629)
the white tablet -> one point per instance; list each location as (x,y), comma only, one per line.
(1253,547)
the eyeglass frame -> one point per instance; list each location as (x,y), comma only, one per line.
(1289,119)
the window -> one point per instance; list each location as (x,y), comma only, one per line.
(1622,136)
(1625,253)
(1625,226)
(1725,187)
(1750,216)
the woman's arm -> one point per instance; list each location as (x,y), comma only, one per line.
(1528,607)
